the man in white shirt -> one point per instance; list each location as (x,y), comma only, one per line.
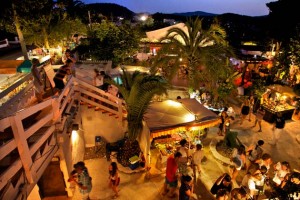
(196,160)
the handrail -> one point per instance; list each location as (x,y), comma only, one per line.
(15,85)
(51,109)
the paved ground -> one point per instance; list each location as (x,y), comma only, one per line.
(135,186)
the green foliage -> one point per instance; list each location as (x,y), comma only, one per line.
(289,55)
(283,19)
(106,41)
(258,87)
(203,51)
(43,22)
(224,89)
(138,89)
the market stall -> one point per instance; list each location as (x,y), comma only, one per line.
(170,121)
(278,99)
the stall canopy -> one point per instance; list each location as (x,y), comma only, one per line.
(170,116)
(284,90)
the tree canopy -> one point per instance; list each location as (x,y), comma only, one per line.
(107,41)
(203,51)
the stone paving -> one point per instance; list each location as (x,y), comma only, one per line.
(136,186)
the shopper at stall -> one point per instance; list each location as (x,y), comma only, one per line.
(171,179)
(187,188)
(259,115)
(196,161)
(37,80)
(245,109)
(278,126)
(183,161)
(223,182)
(114,179)
(61,74)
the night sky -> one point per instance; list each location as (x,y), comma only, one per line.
(243,7)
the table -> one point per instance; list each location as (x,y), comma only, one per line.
(270,114)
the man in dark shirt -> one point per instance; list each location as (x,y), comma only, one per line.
(290,187)
(223,182)
(277,127)
(61,73)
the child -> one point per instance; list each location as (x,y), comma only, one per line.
(114,179)
(186,189)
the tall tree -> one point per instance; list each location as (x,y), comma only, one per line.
(11,15)
(107,41)
(283,19)
(137,90)
(203,51)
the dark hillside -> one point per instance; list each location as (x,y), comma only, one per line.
(110,10)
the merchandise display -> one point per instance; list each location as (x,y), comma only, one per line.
(278,99)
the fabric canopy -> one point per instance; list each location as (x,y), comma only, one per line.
(169,116)
(157,35)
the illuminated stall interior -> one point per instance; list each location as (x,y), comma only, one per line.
(170,121)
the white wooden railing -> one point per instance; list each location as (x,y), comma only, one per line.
(33,135)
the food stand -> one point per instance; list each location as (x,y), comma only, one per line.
(170,121)
(278,99)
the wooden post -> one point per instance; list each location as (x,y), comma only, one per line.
(22,145)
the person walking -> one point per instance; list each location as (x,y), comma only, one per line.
(82,180)
(278,126)
(196,161)
(251,105)
(171,181)
(259,115)
(37,80)
(245,109)
(61,74)
(239,160)
(114,179)
(98,79)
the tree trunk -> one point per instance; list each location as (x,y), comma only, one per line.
(20,34)
(45,36)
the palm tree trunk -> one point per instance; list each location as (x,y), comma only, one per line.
(20,33)
(45,36)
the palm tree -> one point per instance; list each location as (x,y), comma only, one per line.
(137,90)
(204,52)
